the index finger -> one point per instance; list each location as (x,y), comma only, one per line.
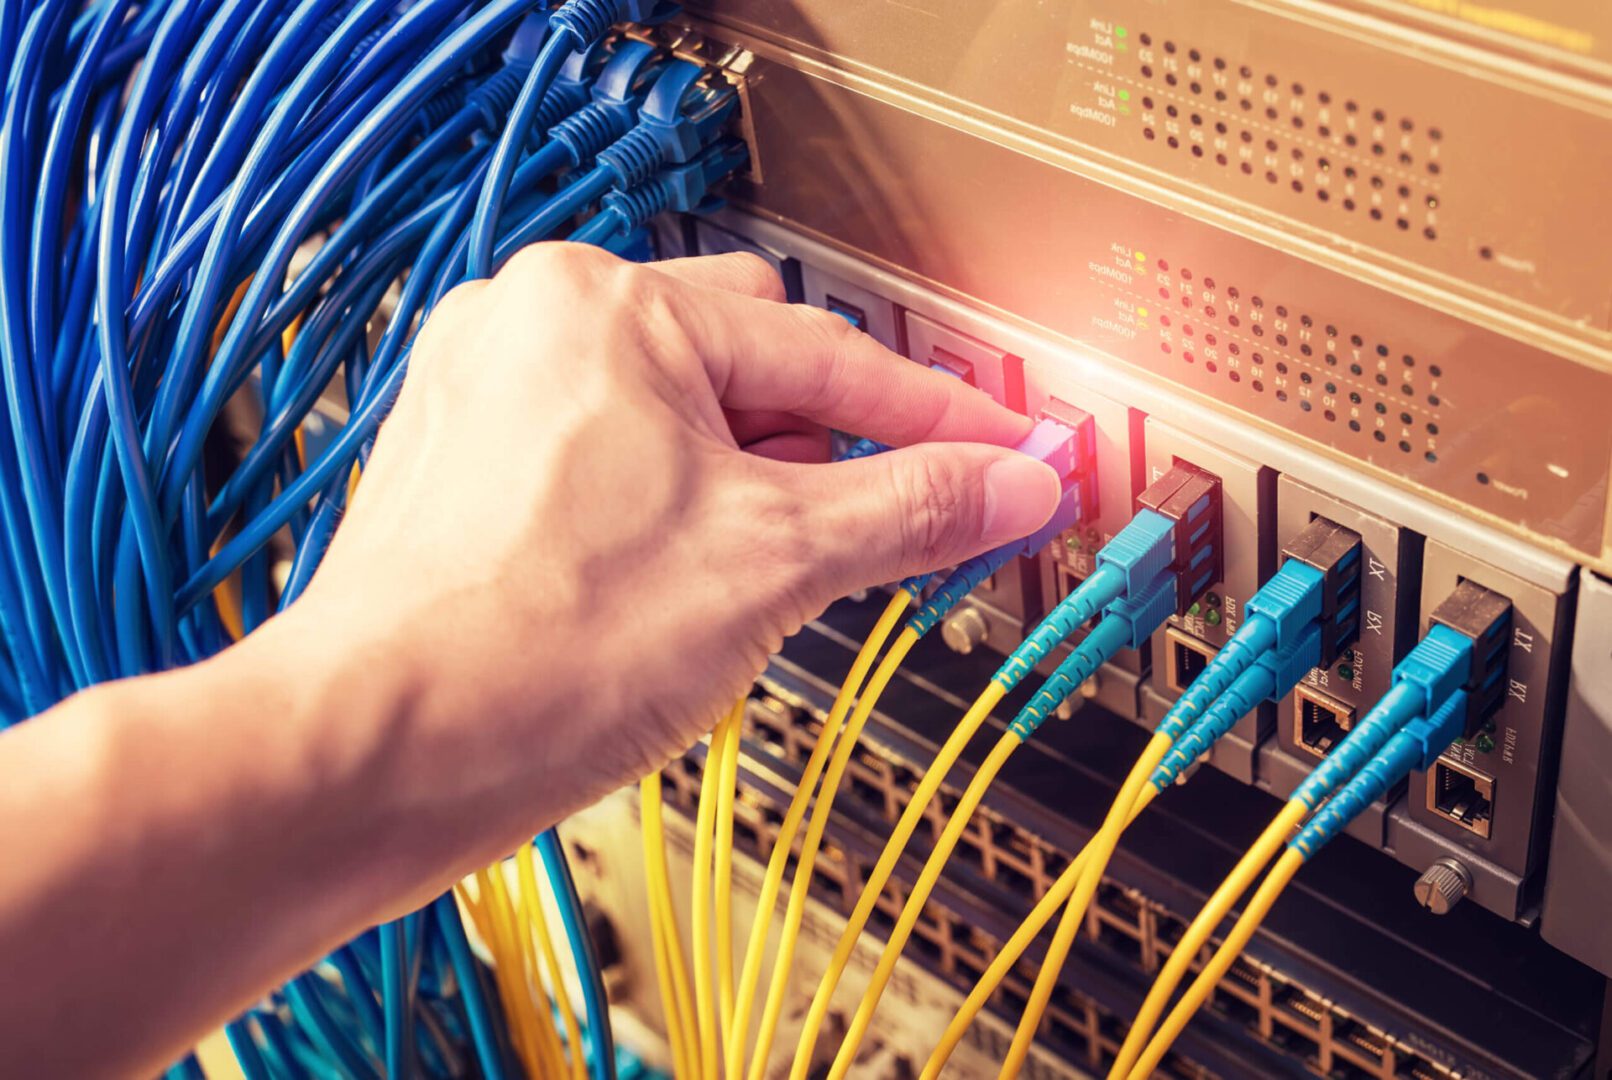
(760,354)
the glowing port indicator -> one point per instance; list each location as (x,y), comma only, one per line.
(1212,618)
(1119,31)
(1141,312)
(1139,257)
(1125,95)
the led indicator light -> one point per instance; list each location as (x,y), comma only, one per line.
(1125,95)
(1140,257)
(1213,618)
(1119,31)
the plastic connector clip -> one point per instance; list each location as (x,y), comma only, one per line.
(1335,553)
(1191,499)
(1484,617)
(1048,439)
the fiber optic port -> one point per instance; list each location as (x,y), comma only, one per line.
(849,312)
(1461,794)
(1319,722)
(1184,657)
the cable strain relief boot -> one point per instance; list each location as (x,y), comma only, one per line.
(495,95)
(632,159)
(637,205)
(587,20)
(442,107)
(1098,647)
(962,581)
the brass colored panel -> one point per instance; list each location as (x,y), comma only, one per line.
(1429,401)
(1458,169)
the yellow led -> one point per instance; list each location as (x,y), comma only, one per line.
(1142,311)
(1140,257)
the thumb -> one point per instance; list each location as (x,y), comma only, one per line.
(922,508)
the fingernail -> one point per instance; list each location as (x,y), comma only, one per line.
(1020,494)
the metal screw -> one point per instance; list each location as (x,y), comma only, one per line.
(1442,886)
(964,629)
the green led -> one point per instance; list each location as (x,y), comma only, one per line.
(1119,31)
(1071,544)
(1346,673)
(1125,95)
(1458,742)
(1213,618)
(1483,743)
(1194,609)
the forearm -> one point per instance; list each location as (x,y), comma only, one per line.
(178,843)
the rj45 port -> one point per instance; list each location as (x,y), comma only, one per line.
(1319,722)
(1461,794)
(1185,657)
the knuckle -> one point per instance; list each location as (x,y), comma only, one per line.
(555,261)
(756,275)
(932,498)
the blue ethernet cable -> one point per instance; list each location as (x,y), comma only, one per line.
(601,1049)
(482,1025)
(397,75)
(575,25)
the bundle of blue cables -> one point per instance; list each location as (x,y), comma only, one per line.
(201,197)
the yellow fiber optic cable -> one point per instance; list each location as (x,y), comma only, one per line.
(1197,994)
(1214,910)
(778,861)
(534,1000)
(507,976)
(511,911)
(705,1004)
(905,826)
(933,866)
(668,1001)
(1101,849)
(725,795)
(1015,947)
(531,915)
(679,1012)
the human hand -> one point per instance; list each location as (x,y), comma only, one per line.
(602,501)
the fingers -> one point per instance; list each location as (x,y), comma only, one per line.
(779,436)
(793,358)
(735,272)
(919,509)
